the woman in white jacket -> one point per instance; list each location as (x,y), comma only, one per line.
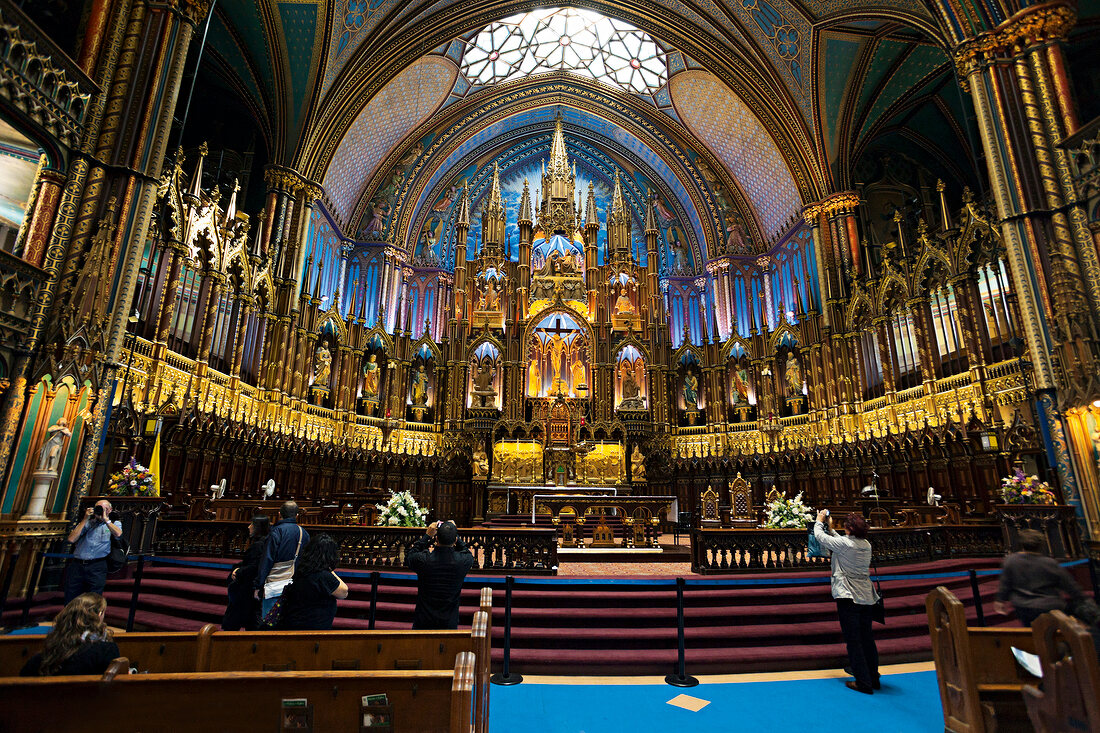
(854,594)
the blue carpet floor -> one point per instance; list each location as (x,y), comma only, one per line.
(907,703)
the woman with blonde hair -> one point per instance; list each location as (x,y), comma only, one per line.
(78,643)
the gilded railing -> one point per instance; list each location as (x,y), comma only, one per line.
(494,550)
(739,550)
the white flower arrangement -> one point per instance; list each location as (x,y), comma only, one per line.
(401,511)
(787,513)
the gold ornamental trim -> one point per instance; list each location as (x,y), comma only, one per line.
(1026,28)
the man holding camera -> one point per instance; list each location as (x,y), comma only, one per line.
(91,540)
(439,574)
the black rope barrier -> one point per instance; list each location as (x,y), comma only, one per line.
(506,677)
(680,678)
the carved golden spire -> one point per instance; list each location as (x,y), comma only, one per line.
(592,216)
(494,206)
(651,217)
(464,206)
(559,158)
(618,206)
(525,211)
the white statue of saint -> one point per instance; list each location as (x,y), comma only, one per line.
(53,447)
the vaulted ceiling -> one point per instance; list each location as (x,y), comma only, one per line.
(768,104)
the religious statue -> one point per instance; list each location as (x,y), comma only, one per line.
(483,299)
(322,365)
(628,386)
(556,345)
(480,462)
(534,379)
(637,465)
(580,383)
(378,212)
(370,378)
(740,385)
(691,391)
(483,384)
(623,306)
(420,387)
(794,375)
(492,295)
(54,445)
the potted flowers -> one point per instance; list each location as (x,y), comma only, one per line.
(1028,503)
(401,511)
(133,480)
(784,513)
(1021,489)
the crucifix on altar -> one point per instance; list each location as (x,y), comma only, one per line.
(558,359)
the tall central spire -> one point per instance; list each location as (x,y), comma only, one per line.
(559,158)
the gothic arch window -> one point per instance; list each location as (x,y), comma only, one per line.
(566,39)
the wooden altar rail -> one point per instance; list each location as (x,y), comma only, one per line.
(738,550)
(532,551)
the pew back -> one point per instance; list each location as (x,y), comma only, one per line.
(156,652)
(978,676)
(1070,697)
(432,701)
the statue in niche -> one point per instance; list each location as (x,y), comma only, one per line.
(580,382)
(492,295)
(628,386)
(483,384)
(370,378)
(637,465)
(420,387)
(740,385)
(793,373)
(691,391)
(480,463)
(322,366)
(49,458)
(534,378)
(623,306)
(556,346)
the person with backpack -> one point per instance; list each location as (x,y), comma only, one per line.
(91,539)
(280,557)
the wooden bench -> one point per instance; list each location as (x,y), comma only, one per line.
(980,682)
(432,701)
(1069,701)
(155,651)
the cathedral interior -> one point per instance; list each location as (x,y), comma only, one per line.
(472,252)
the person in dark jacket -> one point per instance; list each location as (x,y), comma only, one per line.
(280,556)
(439,573)
(1034,583)
(243,610)
(78,643)
(309,602)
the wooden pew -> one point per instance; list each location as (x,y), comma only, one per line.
(155,651)
(1069,701)
(432,701)
(485,662)
(980,682)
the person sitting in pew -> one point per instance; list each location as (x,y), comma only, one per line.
(309,602)
(1034,583)
(243,608)
(78,643)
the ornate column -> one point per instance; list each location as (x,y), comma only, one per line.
(886,361)
(244,311)
(46,195)
(1014,71)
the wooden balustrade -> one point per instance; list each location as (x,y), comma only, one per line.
(533,551)
(738,550)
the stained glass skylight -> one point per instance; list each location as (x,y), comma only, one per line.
(566,39)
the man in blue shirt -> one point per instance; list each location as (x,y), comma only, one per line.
(280,558)
(92,545)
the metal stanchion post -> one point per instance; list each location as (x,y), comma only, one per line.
(373,598)
(977,597)
(36,568)
(134,594)
(680,678)
(13,561)
(506,677)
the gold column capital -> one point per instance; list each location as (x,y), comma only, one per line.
(1031,26)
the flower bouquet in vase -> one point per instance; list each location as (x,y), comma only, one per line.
(401,511)
(133,480)
(1020,488)
(784,513)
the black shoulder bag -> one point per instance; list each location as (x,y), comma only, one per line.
(119,554)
